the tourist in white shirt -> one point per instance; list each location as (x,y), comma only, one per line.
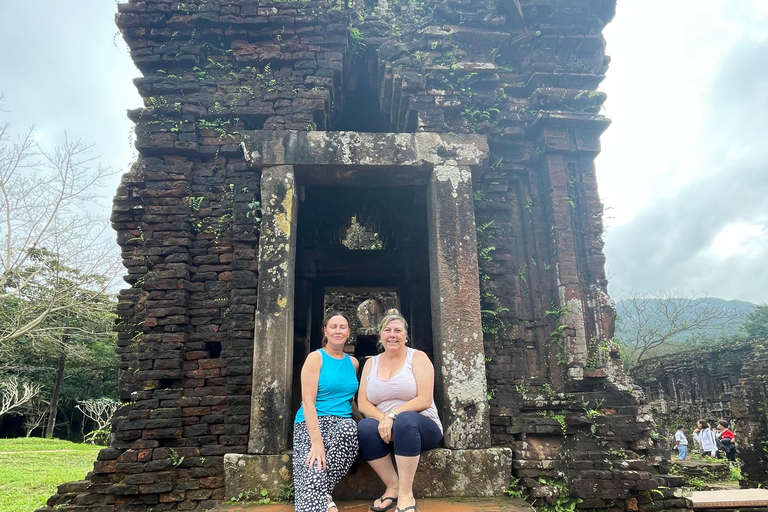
(681,443)
(706,437)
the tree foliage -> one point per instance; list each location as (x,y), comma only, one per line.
(756,323)
(57,269)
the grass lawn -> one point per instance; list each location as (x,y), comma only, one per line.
(31,468)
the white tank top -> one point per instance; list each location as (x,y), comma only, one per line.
(390,393)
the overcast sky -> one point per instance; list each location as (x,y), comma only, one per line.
(684,168)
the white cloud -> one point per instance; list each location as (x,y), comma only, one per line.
(683,165)
(740,238)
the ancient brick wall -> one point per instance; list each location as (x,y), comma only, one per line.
(727,381)
(684,387)
(749,407)
(523,73)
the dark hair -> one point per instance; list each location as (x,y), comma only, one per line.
(330,315)
(723,423)
(703,424)
(680,426)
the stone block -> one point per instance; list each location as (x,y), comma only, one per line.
(442,473)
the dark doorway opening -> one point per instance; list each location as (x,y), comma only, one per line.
(356,245)
(361,111)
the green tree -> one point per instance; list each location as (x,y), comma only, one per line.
(71,353)
(57,265)
(756,323)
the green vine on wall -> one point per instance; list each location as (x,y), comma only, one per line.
(219,216)
(492,308)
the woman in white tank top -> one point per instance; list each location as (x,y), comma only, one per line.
(396,398)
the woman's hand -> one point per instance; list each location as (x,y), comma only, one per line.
(385,428)
(316,453)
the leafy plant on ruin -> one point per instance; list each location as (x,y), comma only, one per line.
(522,274)
(286,492)
(516,489)
(225,128)
(219,224)
(559,417)
(356,43)
(592,412)
(697,483)
(598,353)
(491,320)
(528,204)
(266,79)
(491,306)
(243,497)
(484,252)
(194,202)
(564,502)
(558,314)
(477,118)
(264,499)
(176,457)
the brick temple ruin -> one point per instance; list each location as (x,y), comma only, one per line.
(459,136)
(727,381)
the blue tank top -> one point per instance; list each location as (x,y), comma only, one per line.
(335,388)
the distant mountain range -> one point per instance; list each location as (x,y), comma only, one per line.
(718,329)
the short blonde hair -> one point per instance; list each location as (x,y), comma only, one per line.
(392,314)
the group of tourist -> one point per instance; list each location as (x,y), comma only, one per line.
(717,442)
(394,404)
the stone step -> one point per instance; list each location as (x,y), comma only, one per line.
(442,473)
(425,505)
(730,499)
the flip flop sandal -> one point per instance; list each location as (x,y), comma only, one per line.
(392,503)
(406,509)
(331,504)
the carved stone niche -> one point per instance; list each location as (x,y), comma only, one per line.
(443,166)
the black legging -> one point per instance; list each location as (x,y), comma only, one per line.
(412,433)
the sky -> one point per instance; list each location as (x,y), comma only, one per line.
(683,169)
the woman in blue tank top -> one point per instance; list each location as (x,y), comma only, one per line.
(324,433)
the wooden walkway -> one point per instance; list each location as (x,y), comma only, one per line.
(425,505)
(731,498)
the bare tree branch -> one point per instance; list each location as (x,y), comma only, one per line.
(100,410)
(652,322)
(12,397)
(56,253)
(34,415)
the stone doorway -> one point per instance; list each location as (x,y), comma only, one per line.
(357,245)
(431,263)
